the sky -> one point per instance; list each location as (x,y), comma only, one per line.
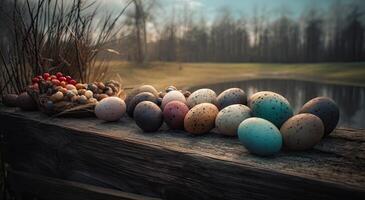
(210,8)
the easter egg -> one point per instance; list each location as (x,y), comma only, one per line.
(110,109)
(26,102)
(88,94)
(10,100)
(143,88)
(324,108)
(174,114)
(170,88)
(82,99)
(148,116)
(230,117)
(144,96)
(56,97)
(302,131)
(172,96)
(70,87)
(201,118)
(230,97)
(202,96)
(254,97)
(272,107)
(260,136)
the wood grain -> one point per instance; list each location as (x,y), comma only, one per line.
(57,189)
(176,165)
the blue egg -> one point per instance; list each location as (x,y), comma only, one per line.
(272,107)
(260,136)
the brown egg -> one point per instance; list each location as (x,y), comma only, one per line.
(102,96)
(26,102)
(201,118)
(81,91)
(10,100)
(56,97)
(143,88)
(63,90)
(80,86)
(302,131)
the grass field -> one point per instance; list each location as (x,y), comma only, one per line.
(189,74)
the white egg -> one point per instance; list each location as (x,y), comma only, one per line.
(230,117)
(110,109)
(202,96)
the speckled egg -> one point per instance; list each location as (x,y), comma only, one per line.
(230,97)
(302,131)
(201,118)
(254,97)
(202,96)
(272,107)
(148,116)
(143,88)
(110,109)
(229,118)
(174,114)
(260,136)
(326,109)
(172,96)
(10,100)
(144,96)
(26,102)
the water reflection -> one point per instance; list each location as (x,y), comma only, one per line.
(351,99)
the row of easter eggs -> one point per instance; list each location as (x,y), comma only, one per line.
(263,122)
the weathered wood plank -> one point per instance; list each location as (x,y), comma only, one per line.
(168,164)
(56,189)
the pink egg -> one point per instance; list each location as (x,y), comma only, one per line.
(172,96)
(174,114)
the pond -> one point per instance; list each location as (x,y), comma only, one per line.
(351,99)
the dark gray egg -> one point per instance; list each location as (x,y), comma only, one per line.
(230,97)
(148,116)
(10,100)
(326,109)
(26,102)
(144,96)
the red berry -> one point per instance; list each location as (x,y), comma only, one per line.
(56,82)
(62,78)
(53,77)
(48,79)
(68,78)
(35,80)
(46,75)
(59,74)
(73,82)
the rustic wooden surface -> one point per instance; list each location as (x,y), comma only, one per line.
(56,189)
(175,165)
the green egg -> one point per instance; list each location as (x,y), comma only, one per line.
(260,136)
(272,107)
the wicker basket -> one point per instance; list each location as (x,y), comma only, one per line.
(64,108)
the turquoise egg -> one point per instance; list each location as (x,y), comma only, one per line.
(260,136)
(272,107)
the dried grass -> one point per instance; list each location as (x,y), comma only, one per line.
(52,35)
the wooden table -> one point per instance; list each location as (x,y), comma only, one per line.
(49,155)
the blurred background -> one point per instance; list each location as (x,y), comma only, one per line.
(298,48)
